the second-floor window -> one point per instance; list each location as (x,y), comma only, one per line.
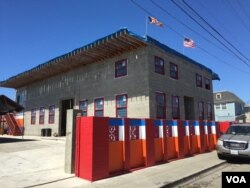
(173,71)
(99,107)
(198,80)
(207,84)
(121,68)
(159,65)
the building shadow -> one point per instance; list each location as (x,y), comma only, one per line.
(4,140)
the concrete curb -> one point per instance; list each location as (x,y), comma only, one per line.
(191,176)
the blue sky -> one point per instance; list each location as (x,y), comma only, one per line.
(33,32)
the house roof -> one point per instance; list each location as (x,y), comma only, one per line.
(112,45)
(227,97)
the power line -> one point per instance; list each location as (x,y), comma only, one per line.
(216,57)
(191,17)
(191,29)
(217,32)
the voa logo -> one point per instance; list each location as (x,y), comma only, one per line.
(236,179)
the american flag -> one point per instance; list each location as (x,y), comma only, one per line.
(155,21)
(188,43)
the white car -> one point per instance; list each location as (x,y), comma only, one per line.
(235,142)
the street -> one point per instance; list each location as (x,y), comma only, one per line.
(213,178)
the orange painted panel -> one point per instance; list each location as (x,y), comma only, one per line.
(186,145)
(158,149)
(194,144)
(136,154)
(172,150)
(20,122)
(212,141)
(116,156)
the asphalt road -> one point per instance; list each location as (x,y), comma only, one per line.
(213,178)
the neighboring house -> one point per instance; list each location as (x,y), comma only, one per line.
(247,112)
(120,75)
(228,107)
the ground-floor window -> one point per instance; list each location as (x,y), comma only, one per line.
(33,117)
(52,114)
(83,106)
(99,107)
(41,115)
(209,111)
(121,105)
(160,105)
(201,110)
(175,107)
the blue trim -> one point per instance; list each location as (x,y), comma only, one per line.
(186,123)
(158,122)
(137,122)
(171,123)
(116,122)
(204,123)
(196,123)
(211,123)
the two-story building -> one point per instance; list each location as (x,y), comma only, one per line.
(228,107)
(120,75)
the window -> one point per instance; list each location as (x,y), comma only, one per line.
(33,117)
(41,115)
(175,107)
(159,65)
(198,80)
(121,105)
(173,71)
(223,106)
(83,105)
(209,111)
(52,114)
(99,107)
(218,96)
(160,105)
(201,110)
(217,106)
(207,84)
(121,68)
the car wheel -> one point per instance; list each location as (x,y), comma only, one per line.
(220,156)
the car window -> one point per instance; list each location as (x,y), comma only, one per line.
(240,130)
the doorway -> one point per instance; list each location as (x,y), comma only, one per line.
(65,105)
(189,108)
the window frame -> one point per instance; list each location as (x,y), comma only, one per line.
(159,67)
(41,116)
(84,111)
(164,105)
(173,107)
(125,107)
(51,119)
(201,111)
(198,81)
(207,84)
(116,68)
(209,113)
(33,116)
(176,72)
(102,109)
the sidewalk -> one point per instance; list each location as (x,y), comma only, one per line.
(157,176)
(40,163)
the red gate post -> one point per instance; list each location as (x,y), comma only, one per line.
(186,138)
(212,135)
(149,147)
(159,140)
(202,137)
(181,134)
(92,160)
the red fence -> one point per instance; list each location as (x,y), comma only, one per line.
(113,145)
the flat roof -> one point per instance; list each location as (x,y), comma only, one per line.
(112,45)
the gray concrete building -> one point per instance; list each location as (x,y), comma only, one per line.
(120,75)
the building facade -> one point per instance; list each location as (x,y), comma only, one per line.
(120,75)
(228,107)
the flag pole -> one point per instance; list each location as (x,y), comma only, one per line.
(146,33)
